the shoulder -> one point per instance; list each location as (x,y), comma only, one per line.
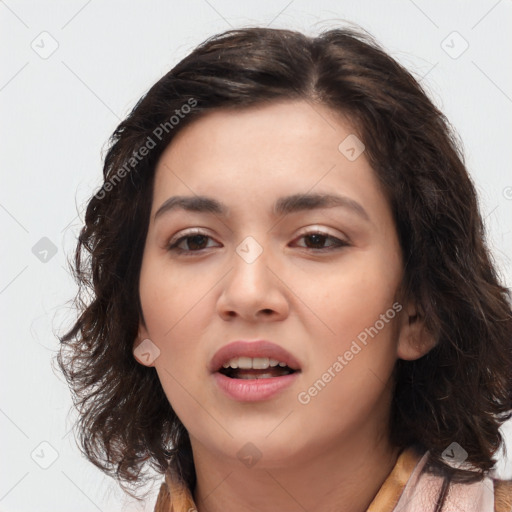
(427,491)
(163,502)
(487,495)
(174,495)
(502,495)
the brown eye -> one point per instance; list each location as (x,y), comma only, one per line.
(194,242)
(317,239)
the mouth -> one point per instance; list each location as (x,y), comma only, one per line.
(248,368)
(254,371)
(250,360)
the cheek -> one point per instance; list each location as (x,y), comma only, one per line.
(353,297)
(357,305)
(174,328)
(351,371)
(169,297)
(169,307)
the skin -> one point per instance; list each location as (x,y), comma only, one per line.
(334,451)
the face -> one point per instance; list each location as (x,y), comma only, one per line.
(319,281)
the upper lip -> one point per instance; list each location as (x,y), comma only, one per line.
(260,348)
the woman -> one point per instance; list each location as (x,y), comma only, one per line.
(293,306)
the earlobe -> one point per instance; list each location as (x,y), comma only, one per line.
(414,339)
(144,350)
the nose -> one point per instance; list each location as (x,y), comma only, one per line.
(253,290)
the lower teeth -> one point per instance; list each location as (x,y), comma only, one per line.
(256,374)
(260,376)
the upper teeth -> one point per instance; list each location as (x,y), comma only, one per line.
(246,363)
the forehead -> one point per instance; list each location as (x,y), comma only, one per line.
(263,128)
(247,156)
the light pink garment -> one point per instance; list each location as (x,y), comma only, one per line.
(422,490)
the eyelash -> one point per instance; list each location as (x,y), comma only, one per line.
(173,244)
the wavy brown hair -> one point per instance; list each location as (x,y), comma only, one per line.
(461,391)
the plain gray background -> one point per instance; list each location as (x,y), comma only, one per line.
(71,70)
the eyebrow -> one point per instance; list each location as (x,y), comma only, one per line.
(283,205)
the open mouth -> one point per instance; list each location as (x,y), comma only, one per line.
(255,368)
(251,372)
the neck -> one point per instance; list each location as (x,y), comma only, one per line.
(343,477)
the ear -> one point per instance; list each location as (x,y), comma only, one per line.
(414,340)
(144,350)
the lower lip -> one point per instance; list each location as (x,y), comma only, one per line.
(252,390)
